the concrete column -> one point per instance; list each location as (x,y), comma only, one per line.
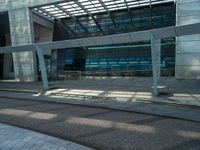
(188,47)
(154,64)
(21,30)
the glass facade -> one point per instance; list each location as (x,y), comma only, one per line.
(112,58)
(121,57)
(91,7)
(120,22)
(132,56)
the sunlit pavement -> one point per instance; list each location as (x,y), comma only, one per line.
(14,138)
(185,92)
(102,128)
(156,108)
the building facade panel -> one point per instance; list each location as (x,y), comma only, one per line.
(188,47)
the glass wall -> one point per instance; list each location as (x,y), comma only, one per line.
(130,59)
(119,22)
(128,56)
(134,58)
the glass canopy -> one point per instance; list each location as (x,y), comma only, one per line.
(74,8)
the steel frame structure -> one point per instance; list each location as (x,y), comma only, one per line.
(77,8)
(84,7)
(148,35)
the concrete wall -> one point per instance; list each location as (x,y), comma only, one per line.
(43,34)
(43,20)
(21,26)
(43,30)
(22,32)
(188,47)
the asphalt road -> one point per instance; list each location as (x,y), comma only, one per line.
(99,128)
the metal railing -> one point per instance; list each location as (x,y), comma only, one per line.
(107,74)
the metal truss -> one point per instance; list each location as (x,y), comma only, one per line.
(91,7)
(93,18)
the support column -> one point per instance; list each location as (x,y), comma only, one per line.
(21,30)
(158,55)
(154,64)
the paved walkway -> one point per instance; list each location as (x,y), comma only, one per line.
(174,91)
(161,109)
(13,138)
(104,129)
(181,98)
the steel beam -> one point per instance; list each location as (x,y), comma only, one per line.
(108,12)
(93,18)
(111,39)
(73,17)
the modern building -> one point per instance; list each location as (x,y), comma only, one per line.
(33,21)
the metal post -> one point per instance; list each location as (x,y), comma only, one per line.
(158,56)
(154,64)
(42,67)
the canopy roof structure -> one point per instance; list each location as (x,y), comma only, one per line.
(74,8)
(152,35)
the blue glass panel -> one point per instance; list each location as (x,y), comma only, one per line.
(68,61)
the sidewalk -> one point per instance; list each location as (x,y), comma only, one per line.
(183,92)
(13,138)
(161,109)
(180,99)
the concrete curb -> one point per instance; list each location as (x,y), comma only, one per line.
(20,91)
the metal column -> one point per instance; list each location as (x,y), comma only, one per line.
(158,55)
(154,64)
(42,67)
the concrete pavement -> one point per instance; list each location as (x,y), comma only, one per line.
(184,92)
(148,107)
(99,128)
(14,138)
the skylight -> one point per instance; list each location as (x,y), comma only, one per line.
(75,8)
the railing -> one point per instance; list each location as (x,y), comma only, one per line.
(105,74)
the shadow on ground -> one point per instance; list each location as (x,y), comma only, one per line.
(102,128)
